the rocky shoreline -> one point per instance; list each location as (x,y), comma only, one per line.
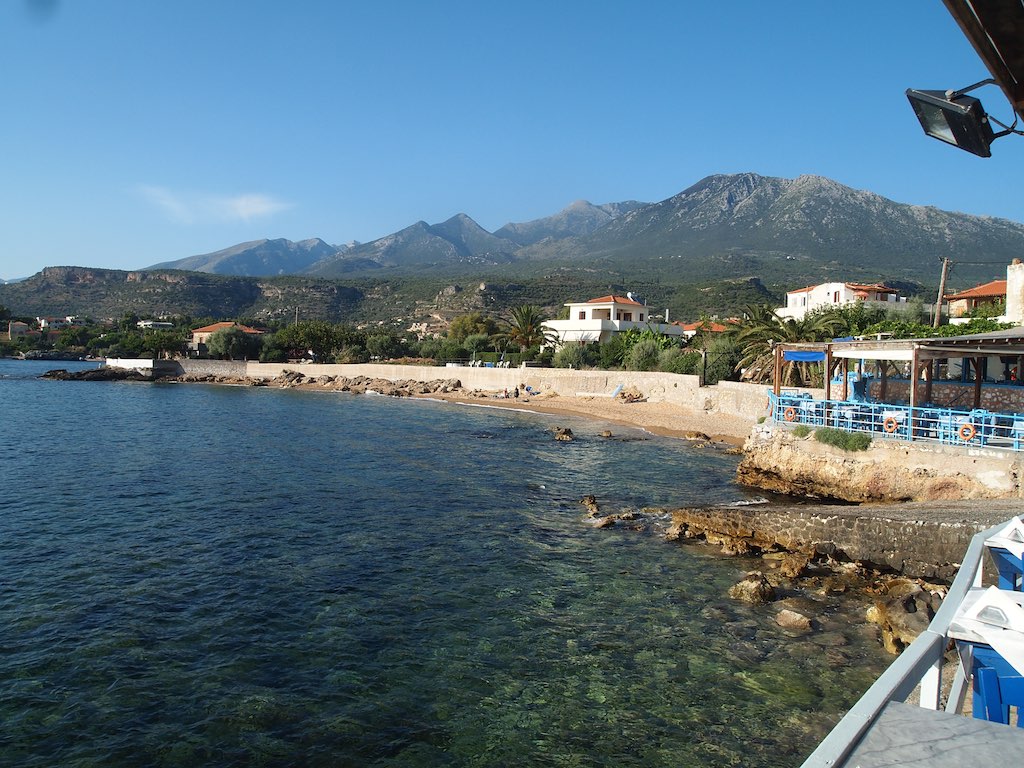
(290,379)
(899,557)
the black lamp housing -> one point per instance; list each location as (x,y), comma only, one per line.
(953,118)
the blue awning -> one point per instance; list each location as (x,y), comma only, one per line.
(798,356)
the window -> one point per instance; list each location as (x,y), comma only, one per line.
(583,315)
(627,316)
(641,317)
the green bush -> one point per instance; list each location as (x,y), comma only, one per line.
(643,356)
(846,441)
(612,352)
(801,430)
(676,360)
(569,356)
(723,357)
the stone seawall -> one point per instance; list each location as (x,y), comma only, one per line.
(914,540)
(748,401)
(889,470)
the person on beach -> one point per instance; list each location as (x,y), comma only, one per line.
(515,393)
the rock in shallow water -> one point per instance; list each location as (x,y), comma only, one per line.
(754,589)
(793,621)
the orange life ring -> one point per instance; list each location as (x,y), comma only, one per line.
(790,414)
(890,424)
(967,432)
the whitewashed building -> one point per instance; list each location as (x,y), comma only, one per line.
(804,300)
(597,320)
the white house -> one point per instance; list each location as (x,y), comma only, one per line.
(599,319)
(804,300)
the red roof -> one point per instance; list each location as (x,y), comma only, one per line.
(852,286)
(616,299)
(703,325)
(224,326)
(993,290)
(878,287)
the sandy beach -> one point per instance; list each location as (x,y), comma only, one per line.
(659,418)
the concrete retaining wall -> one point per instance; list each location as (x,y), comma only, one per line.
(203,367)
(1003,398)
(727,397)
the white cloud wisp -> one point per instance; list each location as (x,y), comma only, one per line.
(190,209)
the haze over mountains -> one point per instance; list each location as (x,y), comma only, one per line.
(723,226)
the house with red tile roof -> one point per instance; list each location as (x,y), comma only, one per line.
(804,300)
(200,336)
(701,326)
(597,320)
(963,303)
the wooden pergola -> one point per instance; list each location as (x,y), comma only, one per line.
(920,353)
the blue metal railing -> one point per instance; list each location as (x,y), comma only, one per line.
(948,426)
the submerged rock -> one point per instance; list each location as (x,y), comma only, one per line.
(590,502)
(793,621)
(564,434)
(754,589)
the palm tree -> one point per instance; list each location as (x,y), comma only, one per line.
(525,328)
(757,335)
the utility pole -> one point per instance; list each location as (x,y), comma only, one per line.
(942,290)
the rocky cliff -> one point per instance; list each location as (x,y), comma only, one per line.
(774,460)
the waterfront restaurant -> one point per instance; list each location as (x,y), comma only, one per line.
(957,390)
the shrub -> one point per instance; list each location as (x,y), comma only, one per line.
(676,360)
(612,351)
(846,441)
(643,356)
(723,357)
(801,430)
(569,356)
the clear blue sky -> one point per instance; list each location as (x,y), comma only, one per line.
(139,132)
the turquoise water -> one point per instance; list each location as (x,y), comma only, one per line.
(197,575)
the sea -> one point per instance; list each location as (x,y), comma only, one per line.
(199,575)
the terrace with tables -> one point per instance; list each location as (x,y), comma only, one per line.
(960,390)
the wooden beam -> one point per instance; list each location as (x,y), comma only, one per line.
(913,379)
(828,373)
(977,381)
(777,384)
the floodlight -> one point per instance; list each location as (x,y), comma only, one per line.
(957,119)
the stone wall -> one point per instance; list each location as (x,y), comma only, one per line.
(1002,398)
(204,367)
(889,470)
(732,398)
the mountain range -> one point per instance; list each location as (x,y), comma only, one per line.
(724,226)
(725,241)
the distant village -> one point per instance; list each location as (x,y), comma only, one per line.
(610,331)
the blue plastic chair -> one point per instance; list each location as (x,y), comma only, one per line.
(1010,567)
(997,686)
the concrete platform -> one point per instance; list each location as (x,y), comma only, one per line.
(905,735)
(916,539)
